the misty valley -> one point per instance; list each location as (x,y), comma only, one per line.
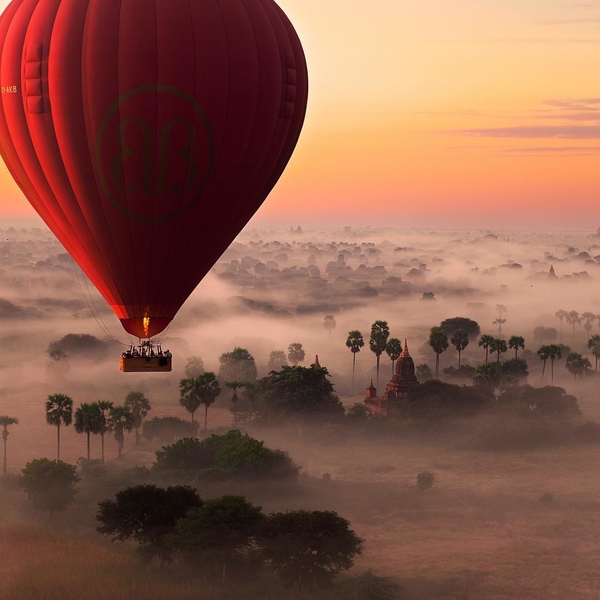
(353,413)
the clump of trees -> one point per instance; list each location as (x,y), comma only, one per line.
(307,549)
(233,454)
(169,429)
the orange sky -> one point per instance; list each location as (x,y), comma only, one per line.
(441,114)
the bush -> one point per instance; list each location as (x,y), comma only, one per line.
(425,480)
(367,586)
(169,429)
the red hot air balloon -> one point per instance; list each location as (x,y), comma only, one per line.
(146,133)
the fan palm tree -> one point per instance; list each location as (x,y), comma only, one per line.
(573,319)
(59,411)
(393,349)
(485,341)
(588,319)
(296,353)
(139,406)
(438,340)
(4,423)
(88,420)
(380,332)
(499,321)
(329,323)
(577,364)
(208,389)
(594,346)
(104,406)
(515,342)
(550,352)
(189,397)
(544,354)
(460,340)
(234,385)
(499,347)
(355,342)
(561,314)
(120,420)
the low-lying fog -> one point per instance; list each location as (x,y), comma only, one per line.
(482,531)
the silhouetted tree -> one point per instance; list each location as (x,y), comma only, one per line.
(277,359)
(573,319)
(515,342)
(380,332)
(423,372)
(549,352)
(594,346)
(577,365)
(238,365)
(59,411)
(296,353)
(234,385)
(168,429)
(450,326)
(561,314)
(393,349)
(193,367)
(499,321)
(460,340)
(104,406)
(49,484)
(120,420)
(499,347)
(308,548)
(147,514)
(139,406)
(438,340)
(88,420)
(220,531)
(329,323)
(588,318)
(545,334)
(485,341)
(355,342)
(5,421)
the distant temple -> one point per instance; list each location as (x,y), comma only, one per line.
(403,380)
(552,274)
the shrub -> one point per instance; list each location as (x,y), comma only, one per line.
(169,429)
(425,480)
(367,586)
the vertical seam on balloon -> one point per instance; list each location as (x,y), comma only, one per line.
(244,214)
(154,197)
(220,145)
(162,307)
(133,262)
(88,137)
(48,116)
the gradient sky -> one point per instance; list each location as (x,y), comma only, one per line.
(443,113)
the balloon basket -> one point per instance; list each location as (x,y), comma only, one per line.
(145,364)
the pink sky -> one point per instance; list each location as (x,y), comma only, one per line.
(440,114)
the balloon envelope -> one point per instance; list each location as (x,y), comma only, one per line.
(146,133)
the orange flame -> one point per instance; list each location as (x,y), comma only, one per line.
(146,324)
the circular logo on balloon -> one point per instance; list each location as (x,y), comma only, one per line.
(155,153)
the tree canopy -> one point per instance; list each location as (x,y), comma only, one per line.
(237,365)
(450,326)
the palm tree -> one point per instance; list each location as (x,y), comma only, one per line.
(355,342)
(88,420)
(499,321)
(460,340)
(189,397)
(380,332)
(544,354)
(438,340)
(573,319)
(588,318)
(5,422)
(394,350)
(296,353)
(104,406)
(139,406)
(577,364)
(554,353)
(499,347)
(485,341)
(120,420)
(501,309)
(208,389)
(594,346)
(561,314)
(234,385)
(515,342)
(59,411)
